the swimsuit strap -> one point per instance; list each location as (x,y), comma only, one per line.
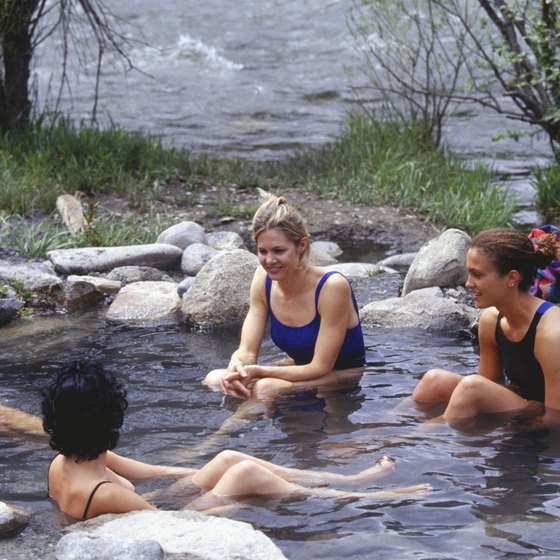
(323,279)
(84,516)
(544,306)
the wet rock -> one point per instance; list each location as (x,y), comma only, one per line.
(225,240)
(13,520)
(146,301)
(219,296)
(418,310)
(100,259)
(183,234)
(402,260)
(181,534)
(130,274)
(36,277)
(86,291)
(440,262)
(82,546)
(8,309)
(329,247)
(356,270)
(319,258)
(195,256)
(184,286)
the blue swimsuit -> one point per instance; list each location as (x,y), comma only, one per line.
(299,342)
(518,358)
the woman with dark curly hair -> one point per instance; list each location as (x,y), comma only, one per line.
(83,411)
(519,336)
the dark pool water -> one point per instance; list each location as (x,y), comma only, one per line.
(495,490)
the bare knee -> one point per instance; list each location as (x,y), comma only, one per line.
(212,379)
(268,387)
(229,457)
(435,386)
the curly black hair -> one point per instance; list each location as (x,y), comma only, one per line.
(83,410)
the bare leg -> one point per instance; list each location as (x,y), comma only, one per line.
(249,478)
(436,386)
(13,419)
(476,395)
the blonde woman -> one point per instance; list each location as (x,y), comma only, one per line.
(313,315)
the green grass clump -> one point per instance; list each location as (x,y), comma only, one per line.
(389,163)
(54,156)
(548,192)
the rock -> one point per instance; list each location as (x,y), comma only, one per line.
(319,258)
(104,285)
(403,260)
(181,534)
(225,240)
(8,309)
(71,211)
(356,270)
(418,310)
(219,296)
(129,274)
(183,234)
(82,546)
(145,301)
(184,286)
(100,259)
(36,277)
(440,262)
(13,520)
(195,256)
(329,247)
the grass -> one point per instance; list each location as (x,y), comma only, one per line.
(548,192)
(370,162)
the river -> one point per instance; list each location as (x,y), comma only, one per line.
(258,78)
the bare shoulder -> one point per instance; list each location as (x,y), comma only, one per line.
(488,318)
(337,283)
(549,324)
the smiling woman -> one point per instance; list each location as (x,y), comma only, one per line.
(313,314)
(519,336)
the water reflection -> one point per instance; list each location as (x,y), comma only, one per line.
(494,490)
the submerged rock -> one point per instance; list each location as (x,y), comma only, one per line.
(8,309)
(181,534)
(13,520)
(145,301)
(419,309)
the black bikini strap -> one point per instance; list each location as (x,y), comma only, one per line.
(84,516)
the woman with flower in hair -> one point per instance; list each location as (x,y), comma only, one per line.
(519,335)
(313,315)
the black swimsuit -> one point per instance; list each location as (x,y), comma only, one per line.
(88,503)
(518,358)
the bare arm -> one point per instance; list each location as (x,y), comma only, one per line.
(337,315)
(137,470)
(490,364)
(547,352)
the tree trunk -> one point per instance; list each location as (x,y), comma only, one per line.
(16,50)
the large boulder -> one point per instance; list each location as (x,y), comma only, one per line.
(145,302)
(13,520)
(225,240)
(101,259)
(419,309)
(180,534)
(219,296)
(183,234)
(440,262)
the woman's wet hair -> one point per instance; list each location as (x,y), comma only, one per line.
(83,410)
(510,249)
(276,213)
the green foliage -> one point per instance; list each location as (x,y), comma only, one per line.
(548,192)
(392,163)
(53,156)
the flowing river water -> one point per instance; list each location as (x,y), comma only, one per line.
(260,80)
